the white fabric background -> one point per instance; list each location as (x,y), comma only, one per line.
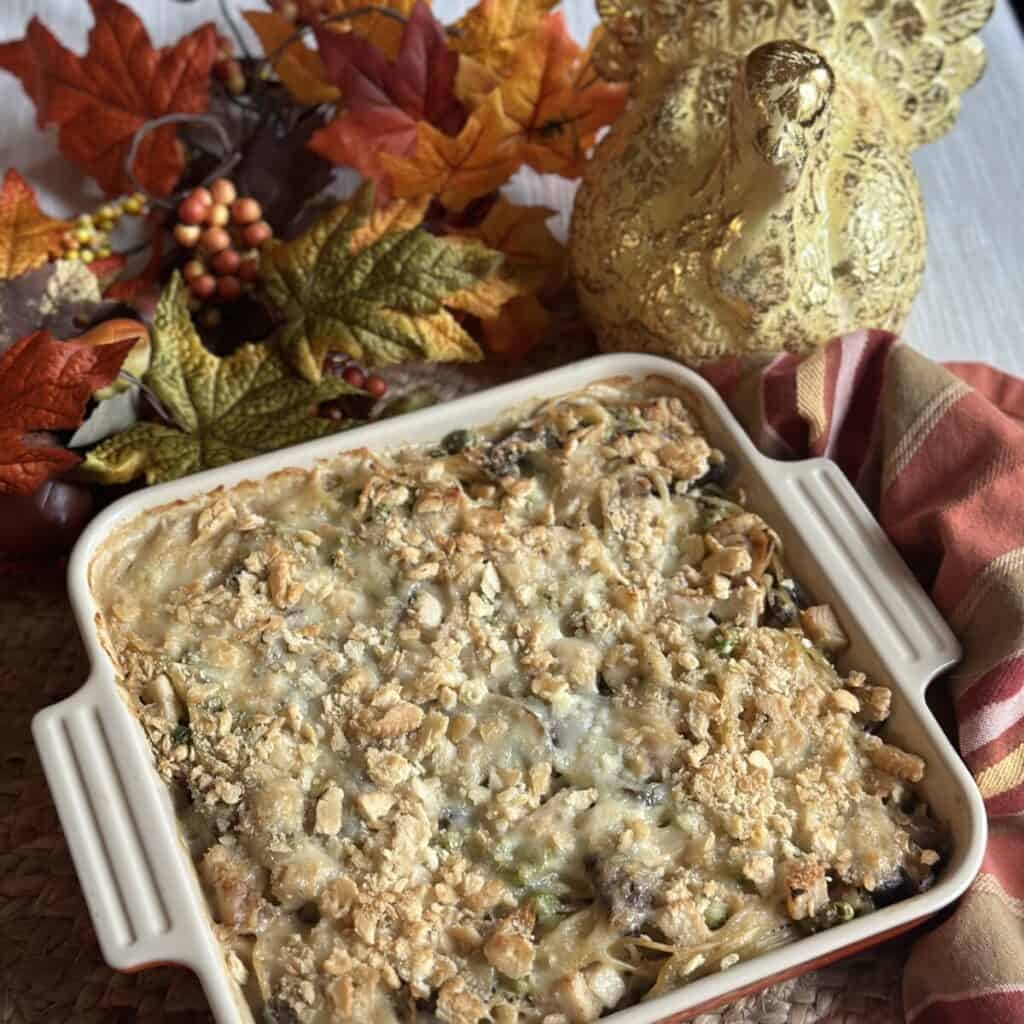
(971,306)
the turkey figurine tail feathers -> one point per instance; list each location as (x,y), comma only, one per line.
(916,57)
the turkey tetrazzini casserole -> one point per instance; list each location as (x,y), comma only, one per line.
(526,725)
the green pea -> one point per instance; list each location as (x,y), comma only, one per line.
(716,915)
(456,441)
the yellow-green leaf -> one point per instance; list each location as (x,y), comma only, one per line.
(223,409)
(375,286)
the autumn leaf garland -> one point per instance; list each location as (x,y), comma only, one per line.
(427,261)
(368,281)
(423,111)
(457,118)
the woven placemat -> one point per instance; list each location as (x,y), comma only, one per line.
(50,964)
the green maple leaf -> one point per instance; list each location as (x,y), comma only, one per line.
(224,409)
(374,284)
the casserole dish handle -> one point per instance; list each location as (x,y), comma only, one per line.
(882,596)
(100,779)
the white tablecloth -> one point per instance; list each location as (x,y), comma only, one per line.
(972,304)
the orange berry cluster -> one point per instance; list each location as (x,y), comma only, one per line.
(225,229)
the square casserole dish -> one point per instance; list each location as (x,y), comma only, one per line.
(139,881)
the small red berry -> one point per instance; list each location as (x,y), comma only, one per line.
(186,234)
(223,191)
(376,385)
(214,239)
(229,288)
(246,211)
(249,270)
(203,287)
(256,234)
(353,376)
(192,210)
(193,269)
(201,195)
(226,261)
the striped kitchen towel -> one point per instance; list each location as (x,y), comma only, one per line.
(938,454)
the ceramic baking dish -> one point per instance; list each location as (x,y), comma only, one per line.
(140,884)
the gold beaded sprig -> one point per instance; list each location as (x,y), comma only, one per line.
(88,238)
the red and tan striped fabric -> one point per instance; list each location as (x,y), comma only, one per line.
(938,454)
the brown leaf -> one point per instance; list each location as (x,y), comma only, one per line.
(279,170)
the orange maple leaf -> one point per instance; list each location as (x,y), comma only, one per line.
(460,168)
(100,101)
(550,89)
(535,259)
(372,24)
(28,238)
(532,254)
(524,323)
(386,99)
(299,68)
(493,30)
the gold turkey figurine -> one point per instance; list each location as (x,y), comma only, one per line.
(757,194)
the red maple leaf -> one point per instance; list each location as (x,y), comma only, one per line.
(44,385)
(100,101)
(385,99)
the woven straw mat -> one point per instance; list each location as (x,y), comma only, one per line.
(50,964)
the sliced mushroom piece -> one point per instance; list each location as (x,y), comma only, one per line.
(781,611)
(901,885)
(717,473)
(628,892)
